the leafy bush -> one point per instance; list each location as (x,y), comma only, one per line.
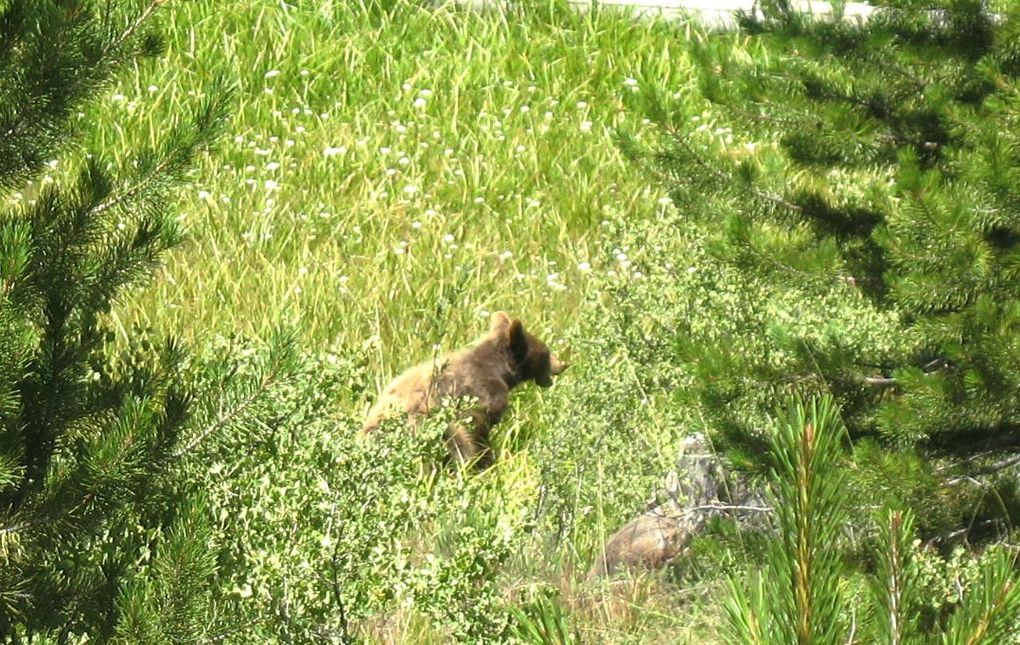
(325,534)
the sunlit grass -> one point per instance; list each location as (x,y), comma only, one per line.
(390,177)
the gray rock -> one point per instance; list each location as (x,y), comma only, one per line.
(696,491)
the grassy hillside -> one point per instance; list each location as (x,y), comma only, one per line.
(394,171)
(391,174)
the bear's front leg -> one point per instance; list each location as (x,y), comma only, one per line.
(469,446)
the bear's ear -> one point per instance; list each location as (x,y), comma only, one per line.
(498,322)
(517,341)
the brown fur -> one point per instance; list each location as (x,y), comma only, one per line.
(479,378)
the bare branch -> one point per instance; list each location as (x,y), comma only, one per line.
(880,380)
(732,507)
(999,465)
(952,535)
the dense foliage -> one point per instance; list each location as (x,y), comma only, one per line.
(156,493)
(801,595)
(97,535)
(874,165)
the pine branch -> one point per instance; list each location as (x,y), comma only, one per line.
(132,28)
(16,528)
(800,590)
(226,418)
(727,179)
(75,61)
(991,611)
(193,138)
(894,586)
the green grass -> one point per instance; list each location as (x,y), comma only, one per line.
(391,173)
(388,177)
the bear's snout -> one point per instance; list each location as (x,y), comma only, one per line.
(556,366)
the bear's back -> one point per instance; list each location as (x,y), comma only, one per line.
(475,373)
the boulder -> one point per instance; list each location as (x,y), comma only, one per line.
(696,491)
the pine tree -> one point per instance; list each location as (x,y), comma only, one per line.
(800,596)
(881,162)
(90,436)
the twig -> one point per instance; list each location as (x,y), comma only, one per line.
(731,507)
(934,365)
(880,380)
(345,627)
(930,367)
(955,481)
(997,466)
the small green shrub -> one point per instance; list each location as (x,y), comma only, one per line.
(322,532)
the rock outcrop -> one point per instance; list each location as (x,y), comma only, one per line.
(696,491)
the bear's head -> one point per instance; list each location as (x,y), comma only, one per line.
(530,358)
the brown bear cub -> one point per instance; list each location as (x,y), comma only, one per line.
(476,381)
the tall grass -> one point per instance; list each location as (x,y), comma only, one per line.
(393,174)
